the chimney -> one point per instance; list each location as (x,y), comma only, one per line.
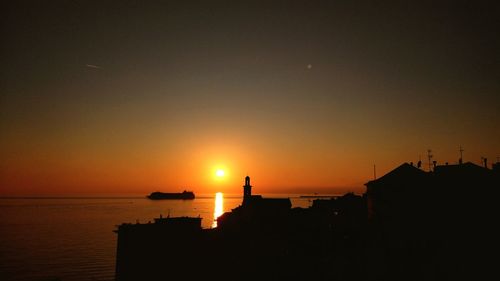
(485,161)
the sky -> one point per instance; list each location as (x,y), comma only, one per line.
(130,97)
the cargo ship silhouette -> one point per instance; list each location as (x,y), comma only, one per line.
(185,195)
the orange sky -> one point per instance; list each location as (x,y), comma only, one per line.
(278,162)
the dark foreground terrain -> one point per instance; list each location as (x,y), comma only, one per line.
(409,225)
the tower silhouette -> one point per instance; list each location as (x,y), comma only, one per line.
(247,188)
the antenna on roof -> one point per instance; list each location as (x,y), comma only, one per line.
(484,161)
(374,172)
(460,160)
(429,156)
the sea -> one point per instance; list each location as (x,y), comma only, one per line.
(72,239)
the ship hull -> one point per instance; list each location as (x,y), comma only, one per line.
(171,196)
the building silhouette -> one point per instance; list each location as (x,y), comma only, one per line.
(247,189)
(437,224)
(409,225)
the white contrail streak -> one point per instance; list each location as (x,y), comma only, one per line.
(93,66)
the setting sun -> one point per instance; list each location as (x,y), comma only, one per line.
(219,173)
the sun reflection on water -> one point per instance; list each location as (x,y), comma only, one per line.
(219,207)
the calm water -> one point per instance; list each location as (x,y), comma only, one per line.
(73,239)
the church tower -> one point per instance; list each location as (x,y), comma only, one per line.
(247,188)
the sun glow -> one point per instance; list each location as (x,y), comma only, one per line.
(220,173)
(219,207)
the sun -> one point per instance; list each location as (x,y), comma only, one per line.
(219,173)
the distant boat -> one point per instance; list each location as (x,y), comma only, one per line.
(185,195)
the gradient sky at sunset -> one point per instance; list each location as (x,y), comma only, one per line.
(129,97)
